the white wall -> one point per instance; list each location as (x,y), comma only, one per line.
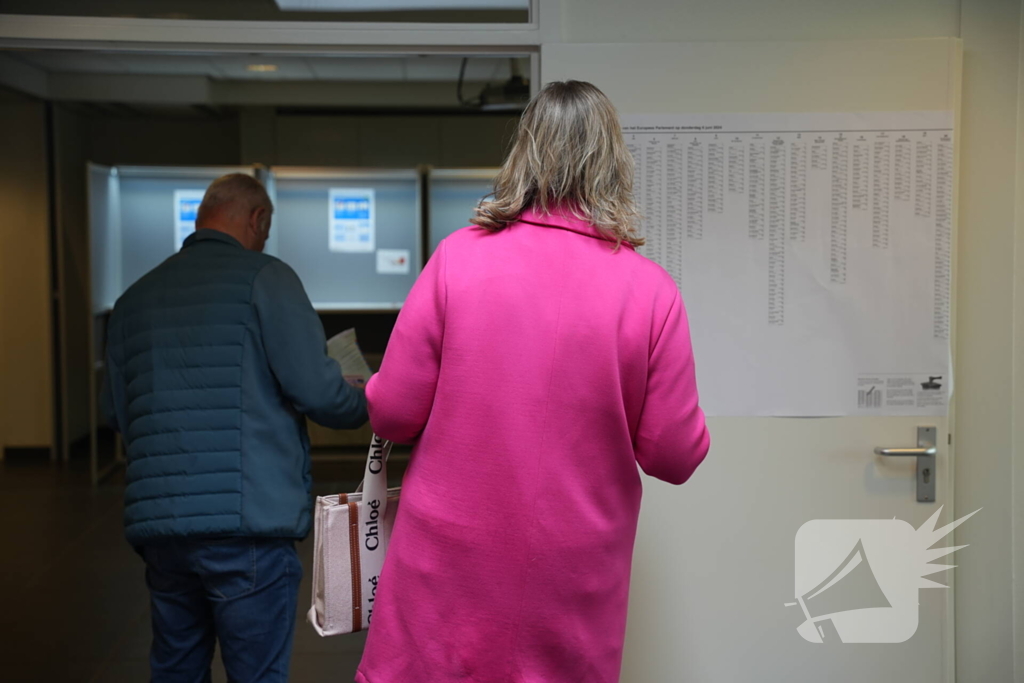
(609,21)
(990,405)
(985,410)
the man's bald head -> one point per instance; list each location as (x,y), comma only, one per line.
(237,204)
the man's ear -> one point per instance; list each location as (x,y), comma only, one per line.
(256,220)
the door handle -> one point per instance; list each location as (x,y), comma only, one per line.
(925,454)
(906,451)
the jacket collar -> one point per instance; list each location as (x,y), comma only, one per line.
(561,219)
(207,234)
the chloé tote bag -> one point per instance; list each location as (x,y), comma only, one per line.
(350,537)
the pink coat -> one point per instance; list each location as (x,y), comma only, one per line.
(533,369)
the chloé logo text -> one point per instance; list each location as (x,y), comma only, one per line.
(373,597)
(373,525)
(376,463)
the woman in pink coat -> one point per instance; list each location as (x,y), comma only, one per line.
(538,360)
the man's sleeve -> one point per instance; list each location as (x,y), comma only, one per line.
(296,348)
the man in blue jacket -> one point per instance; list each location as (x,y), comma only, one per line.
(214,360)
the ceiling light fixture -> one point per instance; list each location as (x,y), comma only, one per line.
(262,68)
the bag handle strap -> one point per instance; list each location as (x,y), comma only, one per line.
(375,477)
(385,448)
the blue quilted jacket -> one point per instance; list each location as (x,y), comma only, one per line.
(213,360)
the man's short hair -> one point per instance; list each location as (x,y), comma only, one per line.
(235,192)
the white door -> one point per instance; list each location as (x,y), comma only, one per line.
(715,559)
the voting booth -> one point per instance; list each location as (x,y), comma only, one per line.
(453,195)
(354,236)
(139,216)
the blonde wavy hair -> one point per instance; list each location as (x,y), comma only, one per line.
(569,156)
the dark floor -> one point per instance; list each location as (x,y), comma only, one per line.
(73,603)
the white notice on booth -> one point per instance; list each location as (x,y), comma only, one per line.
(186,208)
(352,220)
(393,261)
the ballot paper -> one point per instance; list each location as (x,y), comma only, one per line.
(344,348)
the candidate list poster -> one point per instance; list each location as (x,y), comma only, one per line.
(186,210)
(352,225)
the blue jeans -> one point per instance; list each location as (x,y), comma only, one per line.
(241,592)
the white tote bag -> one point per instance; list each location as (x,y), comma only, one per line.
(350,536)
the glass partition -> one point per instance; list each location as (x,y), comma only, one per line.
(454,194)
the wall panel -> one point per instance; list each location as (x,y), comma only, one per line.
(26,351)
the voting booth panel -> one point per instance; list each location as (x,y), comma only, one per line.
(139,216)
(353,236)
(453,194)
(104,236)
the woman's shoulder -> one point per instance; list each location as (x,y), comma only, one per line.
(467,234)
(648,271)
